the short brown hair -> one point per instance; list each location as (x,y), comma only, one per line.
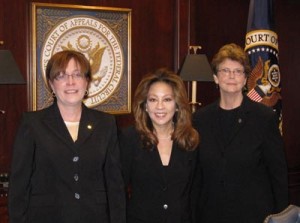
(233,52)
(59,61)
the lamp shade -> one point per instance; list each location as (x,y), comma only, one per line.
(9,71)
(196,68)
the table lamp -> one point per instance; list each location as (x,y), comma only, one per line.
(9,71)
(195,68)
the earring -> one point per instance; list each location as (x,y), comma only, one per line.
(53,94)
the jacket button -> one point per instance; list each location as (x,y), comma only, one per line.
(77,196)
(165,206)
(76,177)
(75,158)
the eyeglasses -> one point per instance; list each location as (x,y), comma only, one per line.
(227,71)
(64,77)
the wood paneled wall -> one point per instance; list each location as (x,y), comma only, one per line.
(161,34)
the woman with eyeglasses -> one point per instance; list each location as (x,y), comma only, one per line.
(66,164)
(242,172)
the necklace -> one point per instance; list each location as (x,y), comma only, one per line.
(170,130)
(168,137)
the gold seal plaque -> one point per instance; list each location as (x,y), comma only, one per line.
(101,34)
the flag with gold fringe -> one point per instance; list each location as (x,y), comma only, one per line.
(261,44)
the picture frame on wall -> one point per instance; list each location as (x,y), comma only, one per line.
(102,34)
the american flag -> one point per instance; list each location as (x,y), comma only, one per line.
(261,44)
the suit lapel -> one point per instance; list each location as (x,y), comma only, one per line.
(215,127)
(87,125)
(174,159)
(217,130)
(240,121)
(241,118)
(176,156)
(56,124)
(157,164)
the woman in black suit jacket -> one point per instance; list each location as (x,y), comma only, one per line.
(66,164)
(158,153)
(242,172)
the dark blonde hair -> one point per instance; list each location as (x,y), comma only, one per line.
(184,134)
(59,61)
(233,52)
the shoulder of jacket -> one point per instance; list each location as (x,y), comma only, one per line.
(206,110)
(258,108)
(129,131)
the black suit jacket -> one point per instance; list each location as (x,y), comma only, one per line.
(158,194)
(244,179)
(54,179)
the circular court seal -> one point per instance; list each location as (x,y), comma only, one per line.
(101,46)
